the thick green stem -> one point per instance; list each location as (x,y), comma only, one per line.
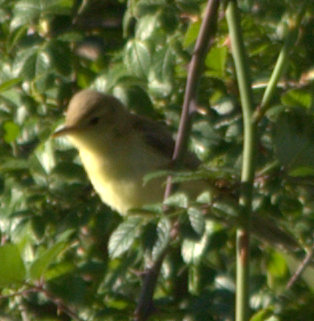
(247,175)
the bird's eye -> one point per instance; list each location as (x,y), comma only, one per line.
(94,121)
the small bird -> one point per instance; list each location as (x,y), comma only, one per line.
(118,148)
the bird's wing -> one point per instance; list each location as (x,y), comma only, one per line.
(159,138)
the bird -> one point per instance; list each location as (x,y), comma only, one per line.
(118,149)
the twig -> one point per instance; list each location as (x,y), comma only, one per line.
(301,268)
(207,31)
(61,307)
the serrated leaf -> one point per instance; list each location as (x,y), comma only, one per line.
(33,63)
(197,220)
(163,237)
(146,27)
(192,250)
(41,264)
(12,269)
(137,57)
(123,237)
(161,74)
(177,200)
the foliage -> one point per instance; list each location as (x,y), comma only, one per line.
(64,254)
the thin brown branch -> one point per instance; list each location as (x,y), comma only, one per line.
(301,268)
(207,32)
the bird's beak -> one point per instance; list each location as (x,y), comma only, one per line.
(66,130)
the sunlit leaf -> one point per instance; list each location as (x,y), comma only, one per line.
(163,236)
(12,269)
(123,237)
(138,57)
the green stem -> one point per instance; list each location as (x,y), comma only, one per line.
(282,61)
(247,175)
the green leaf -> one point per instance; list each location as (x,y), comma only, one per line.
(191,34)
(25,12)
(144,7)
(263,315)
(147,27)
(12,269)
(137,58)
(226,207)
(297,97)
(216,62)
(123,237)
(61,55)
(136,98)
(161,74)
(197,220)
(294,140)
(177,200)
(10,83)
(41,264)
(192,250)
(28,11)
(277,264)
(11,131)
(33,63)
(163,236)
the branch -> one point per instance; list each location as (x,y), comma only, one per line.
(207,31)
(301,268)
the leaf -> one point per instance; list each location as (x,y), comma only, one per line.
(216,62)
(11,131)
(294,140)
(41,264)
(297,97)
(227,207)
(191,34)
(192,250)
(177,200)
(137,57)
(60,54)
(263,315)
(9,83)
(147,27)
(277,265)
(197,220)
(123,237)
(12,269)
(32,63)
(163,237)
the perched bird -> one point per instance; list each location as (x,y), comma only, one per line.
(118,148)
